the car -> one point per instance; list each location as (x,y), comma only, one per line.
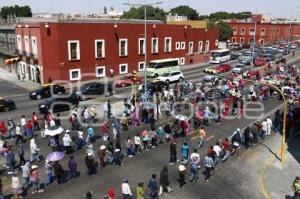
(239,68)
(94,89)
(171,77)
(210,80)
(246,58)
(153,86)
(223,68)
(58,104)
(7,105)
(269,57)
(259,62)
(293,46)
(251,73)
(235,55)
(128,80)
(46,91)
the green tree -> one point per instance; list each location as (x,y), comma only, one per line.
(224,29)
(138,13)
(185,11)
(18,11)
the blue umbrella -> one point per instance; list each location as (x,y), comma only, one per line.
(55,156)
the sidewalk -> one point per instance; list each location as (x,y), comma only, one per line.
(279,177)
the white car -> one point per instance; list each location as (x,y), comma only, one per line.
(293,46)
(171,77)
(239,68)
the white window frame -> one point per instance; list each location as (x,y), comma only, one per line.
(139,66)
(126,47)
(182,61)
(74,70)
(26,42)
(154,50)
(19,42)
(100,75)
(139,48)
(125,72)
(182,45)
(200,46)
(177,46)
(191,47)
(207,46)
(103,48)
(78,49)
(170,44)
(34,46)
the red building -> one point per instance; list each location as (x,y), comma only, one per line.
(71,49)
(266,32)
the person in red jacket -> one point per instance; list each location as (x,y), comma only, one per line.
(110,193)
(29,128)
(35,122)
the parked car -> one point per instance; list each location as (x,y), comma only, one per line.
(210,80)
(239,68)
(293,46)
(251,73)
(224,68)
(171,77)
(94,89)
(128,80)
(154,86)
(46,91)
(259,62)
(246,58)
(235,55)
(58,104)
(7,105)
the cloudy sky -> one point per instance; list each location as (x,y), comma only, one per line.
(287,8)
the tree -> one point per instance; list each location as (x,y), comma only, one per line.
(18,11)
(138,13)
(185,11)
(224,29)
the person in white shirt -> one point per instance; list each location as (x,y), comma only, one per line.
(67,143)
(19,134)
(105,110)
(86,116)
(126,191)
(264,129)
(34,155)
(217,149)
(270,125)
(137,143)
(195,165)
(16,186)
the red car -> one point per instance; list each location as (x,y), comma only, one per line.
(259,62)
(127,80)
(251,73)
(223,68)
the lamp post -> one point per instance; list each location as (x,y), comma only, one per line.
(145,34)
(254,38)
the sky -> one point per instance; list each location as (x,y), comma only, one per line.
(274,8)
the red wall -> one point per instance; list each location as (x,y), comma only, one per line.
(53,45)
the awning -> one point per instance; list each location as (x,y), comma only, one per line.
(12,60)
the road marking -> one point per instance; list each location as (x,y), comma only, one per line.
(17,95)
(262,177)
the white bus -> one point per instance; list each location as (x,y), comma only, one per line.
(219,56)
(158,67)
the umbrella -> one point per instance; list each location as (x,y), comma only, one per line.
(181,168)
(181,117)
(54,131)
(55,156)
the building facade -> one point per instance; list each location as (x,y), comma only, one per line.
(85,49)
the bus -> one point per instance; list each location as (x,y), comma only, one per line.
(219,56)
(158,67)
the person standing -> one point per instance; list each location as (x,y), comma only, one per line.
(296,187)
(93,113)
(217,149)
(195,165)
(153,187)
(110,193)
(101,155)
(137,143)
(264,129)
(23,124)
(90,134)
(209,165)
(126,191)
(10,157)
(16,186)
(34,155)
(91,164)
(181,174)
(140,191)
(105,110)
(173,152)
(34,176)
(48,171)
(11,127)
(58,172)
(25,174)
(185,153)
(67,143)
(247,137)
(73,167)
(35,122)
(202,135)
(270,125)
(164,181)
(21,155)
(19,134)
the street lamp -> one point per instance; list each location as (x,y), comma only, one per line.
(145,34)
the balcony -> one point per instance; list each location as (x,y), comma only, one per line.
(34,56)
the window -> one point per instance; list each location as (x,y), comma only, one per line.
(242,40)
(233,39)
(207,46)
(191,47)
(168,44)
(100,71)
(26,41)
(19,42)
(154,45)
(251,31)
(141,46)
(182,61)
(242,31)
(216,42)
(73,48)
(34,45)
(123,68)
(99,48)
(123,47)
(141,66)
(234,31)
(177,45)
(200,46)
(75,74)
(183,45)
(262,32)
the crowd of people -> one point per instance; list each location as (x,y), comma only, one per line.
(140,113)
